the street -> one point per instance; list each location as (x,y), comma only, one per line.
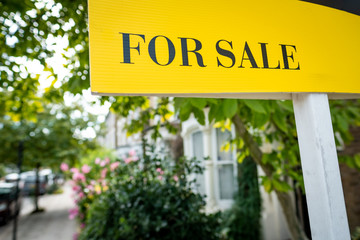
(53,223)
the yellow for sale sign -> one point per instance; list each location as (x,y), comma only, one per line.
(219,48)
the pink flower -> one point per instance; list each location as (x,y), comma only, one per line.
(76,188)
(64,167)
(85,169)
(114,165)
(77,176)
(107,160)
(93,182)
(128,160)
(132,152)
(82,225)
(159,170)
(102,163)
(81,195)
(73,212)
(74,170)
(131,159)
(103,173)
(176,178)
(75,236)
(90,188)
(160,177)
(103,183)
(97,161)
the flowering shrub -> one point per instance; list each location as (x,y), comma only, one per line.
(88,182)
(141,199)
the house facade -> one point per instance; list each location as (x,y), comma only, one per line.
(218,181)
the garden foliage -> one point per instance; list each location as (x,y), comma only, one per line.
(141,199)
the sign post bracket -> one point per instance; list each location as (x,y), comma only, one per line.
(324,194)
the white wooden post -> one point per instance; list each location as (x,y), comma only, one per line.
(324,194)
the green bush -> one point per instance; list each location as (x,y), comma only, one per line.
(150,199)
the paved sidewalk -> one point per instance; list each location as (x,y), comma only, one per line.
(53,223)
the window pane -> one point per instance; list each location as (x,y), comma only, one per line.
(226,181)
(198,150)
(198,147)
(200,183)
(221,139)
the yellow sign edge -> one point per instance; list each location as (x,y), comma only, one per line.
(259,95)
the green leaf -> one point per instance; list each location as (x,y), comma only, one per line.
(199,103)
(354,111)
(229,107)
(349,161)
(216,113)
(281,185)
(357,160)
(287,105)
(225,147)
(214,109)
(184,114)
(185,110)
(241,143)
(255,105)
(267,184)
(212,100)
(259,119)
(199,115)
(178,103)
(241,157)
(280,120)
(266,158)
(342,123)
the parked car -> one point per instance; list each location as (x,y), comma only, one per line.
(13,178)
(30,184)
(8,201)
(48,174)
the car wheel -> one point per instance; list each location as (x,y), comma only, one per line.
(5,219)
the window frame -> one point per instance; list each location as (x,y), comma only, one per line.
(192,153)
(222,203)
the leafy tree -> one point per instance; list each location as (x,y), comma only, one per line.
(30,31)
(53,138)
